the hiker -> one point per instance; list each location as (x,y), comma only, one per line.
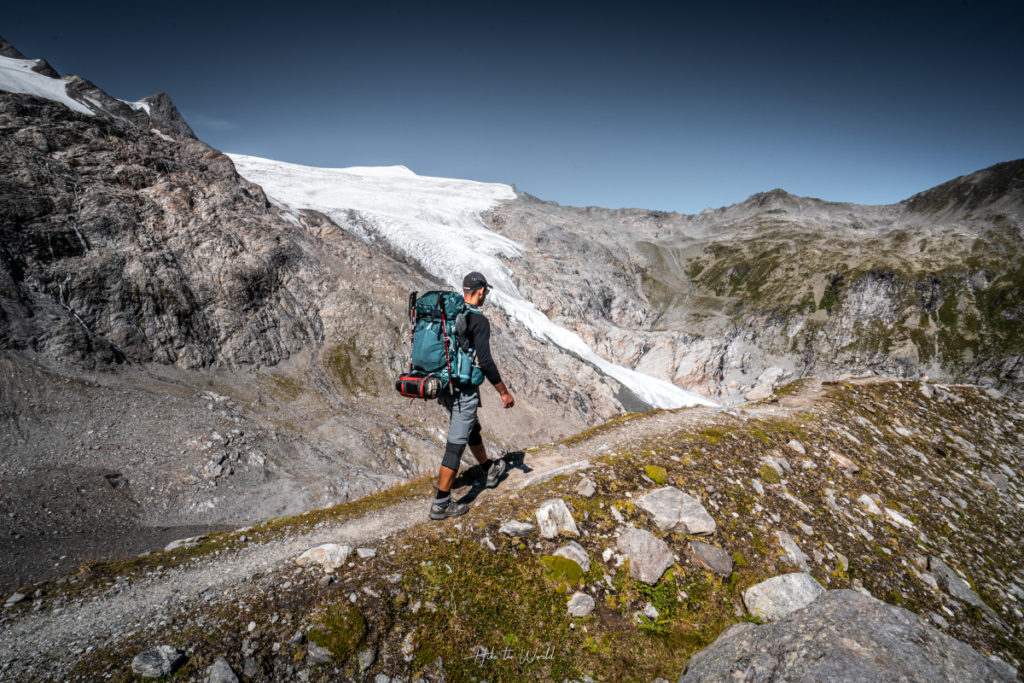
(462,400)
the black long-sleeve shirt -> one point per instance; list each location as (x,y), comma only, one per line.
(479,330)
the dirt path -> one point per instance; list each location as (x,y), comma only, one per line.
(47,643)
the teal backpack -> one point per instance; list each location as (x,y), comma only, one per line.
(441,351)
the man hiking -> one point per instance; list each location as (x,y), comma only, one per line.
(462,400)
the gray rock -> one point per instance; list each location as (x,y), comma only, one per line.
(190,542)
(330,556)
(648,555)
(317,654)
(221,672)
(844,462)
(581,604)
(586,487)
(709,557)
(517,529)
(797,446)
(553,518)
(951,582)
(793,556)
(869,505)
(366,658)
(998,480)
(778,596)
(577,553)
(365,553)
(651,612)
(251,668)
(382,678)
(14,599)
(673,510)
(842,636)
(157,662)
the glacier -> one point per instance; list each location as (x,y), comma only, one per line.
(437,222)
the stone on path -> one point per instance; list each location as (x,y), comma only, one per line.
(778,596)
(517,529)
(577,553)
(365,553)
(330,556)
(190,542)
(793,555)
(673,510)
(581,604)
(843,636)
(553,517)
(157,662)
(221,672)
(709,557)
(648,555)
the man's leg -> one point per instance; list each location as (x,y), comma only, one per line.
(463,418)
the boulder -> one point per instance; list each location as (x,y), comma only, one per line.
(673,510)
(157,662)
(553,517)
(778,596)
(586,487)
(648,555)
(577,553)
(843,636)
(330,556)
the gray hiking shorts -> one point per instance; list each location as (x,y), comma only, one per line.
(462,408)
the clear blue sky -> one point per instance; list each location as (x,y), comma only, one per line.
(670,106)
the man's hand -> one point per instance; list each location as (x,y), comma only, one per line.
(506,397)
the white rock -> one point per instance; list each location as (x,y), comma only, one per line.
(673,510)
(330,556)
(190,542)
(648,555)
(898,519)
(221,672)
(780,595)
(797,446)
(553,517)
(844,462)
(581,604)
(793,556)
(365,553)
(651,612)
(586,487)
(577,553)
(517,529)
(869,505)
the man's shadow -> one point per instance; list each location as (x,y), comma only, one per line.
(476,478)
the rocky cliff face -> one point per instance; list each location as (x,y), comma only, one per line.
(787,286)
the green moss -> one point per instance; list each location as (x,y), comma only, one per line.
(342,630)
(770,474)
(350,368)
(739,560)
(561,571)
(657,474)
(604,427)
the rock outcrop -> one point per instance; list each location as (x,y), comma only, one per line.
(843,636)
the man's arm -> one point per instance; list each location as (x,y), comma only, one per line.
(481,332)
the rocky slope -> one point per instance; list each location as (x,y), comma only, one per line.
(908,492)
(778,285)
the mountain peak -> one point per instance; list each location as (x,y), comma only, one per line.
(1000,182)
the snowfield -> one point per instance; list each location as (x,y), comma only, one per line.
(16,75)
(436,221)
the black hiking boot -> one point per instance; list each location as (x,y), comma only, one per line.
(447,508)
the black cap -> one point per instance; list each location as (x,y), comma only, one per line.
(473,281)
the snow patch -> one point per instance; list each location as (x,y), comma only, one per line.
(437,222)
(17,76)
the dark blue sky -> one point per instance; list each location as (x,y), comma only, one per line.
(665,106)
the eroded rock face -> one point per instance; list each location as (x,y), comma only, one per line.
(843,636)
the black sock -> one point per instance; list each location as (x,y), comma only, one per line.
(443,495)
